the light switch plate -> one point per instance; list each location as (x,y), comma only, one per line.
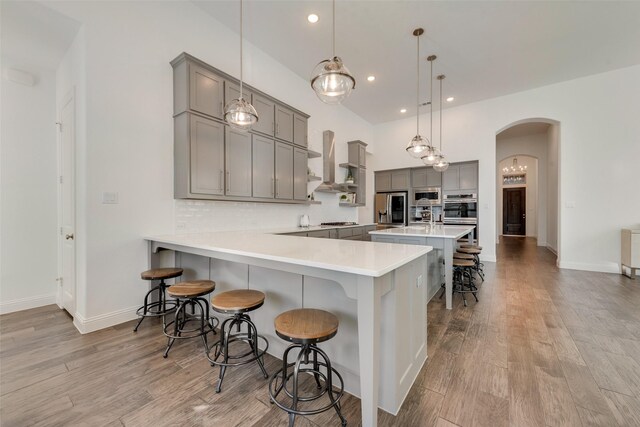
(109,198)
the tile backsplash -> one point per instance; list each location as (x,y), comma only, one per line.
(193,216)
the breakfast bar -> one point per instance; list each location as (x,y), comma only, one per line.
(377,290)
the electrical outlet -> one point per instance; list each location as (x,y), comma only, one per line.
(109,198)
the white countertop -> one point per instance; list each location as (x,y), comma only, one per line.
(438,231)
(348,256)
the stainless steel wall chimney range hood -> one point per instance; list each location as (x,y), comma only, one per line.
(328,164)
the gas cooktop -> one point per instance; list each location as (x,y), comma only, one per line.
(337,224)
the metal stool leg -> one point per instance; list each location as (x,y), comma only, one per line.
(336,403)
(176,327)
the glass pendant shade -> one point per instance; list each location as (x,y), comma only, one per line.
(441,164)
(430,156)
(417,146)
(332,81)
(240,114)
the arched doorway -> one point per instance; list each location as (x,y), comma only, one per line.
(528,172)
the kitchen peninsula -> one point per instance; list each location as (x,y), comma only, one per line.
(378,291)
(442,239)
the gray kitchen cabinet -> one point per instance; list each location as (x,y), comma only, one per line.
(468,176)
(358,153)
(205,91)
(324,234)
(400,180)
(237,163)
(361,191)
(284,123)
(299,174)
(300,130)
(434,178)
(419,177)
(284,171)
(206,140)
(461,176)
(266,114)
(263,167)
(382,181)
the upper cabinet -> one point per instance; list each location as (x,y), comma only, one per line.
(216,162)
(284,123)
(300,130)
(206,91)
(394,180)
(266,114)
(425,177)
(461,176)
(358,153)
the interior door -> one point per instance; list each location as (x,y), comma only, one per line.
(514,211)
(66,195)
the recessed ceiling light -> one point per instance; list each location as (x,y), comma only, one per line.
(371,78)
(404,110)
(449,99)
(313,18)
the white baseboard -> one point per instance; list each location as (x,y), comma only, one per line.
(609,267)
(552,249)
(95,323)
(488,257)
(27,303)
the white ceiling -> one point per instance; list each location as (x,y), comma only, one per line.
(486,48)
(34,34)
(523,129)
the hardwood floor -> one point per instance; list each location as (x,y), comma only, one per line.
(543,347)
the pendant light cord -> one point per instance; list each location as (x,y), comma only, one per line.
(431,103)
(241,26)
(442,78)
(333,29)
(418,87)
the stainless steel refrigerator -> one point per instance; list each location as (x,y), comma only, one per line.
(391,208)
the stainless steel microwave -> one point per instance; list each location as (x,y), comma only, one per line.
(426,196)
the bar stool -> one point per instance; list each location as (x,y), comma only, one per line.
(305,328)
(161,307)
(189,294)
(463,269)
(475,251)
(237,303)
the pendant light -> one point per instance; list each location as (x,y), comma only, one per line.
(418,144)
(331,80)
(239,113)
(441,164)
(430,154)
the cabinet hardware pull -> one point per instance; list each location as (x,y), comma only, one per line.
(277,192)
(221,180)
(228,181)
(272,185)
(69,236)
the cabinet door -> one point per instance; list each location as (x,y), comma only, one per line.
(300,130)
(237,163)
(383,181)
(468,176)
(362,156)
(207,156)
(434,178)
(419,177)
(284,171)
(450,178)
(266,114)
(299,174)
(400,180)
(205,91)
(263,167)
(284,123)
(361,193)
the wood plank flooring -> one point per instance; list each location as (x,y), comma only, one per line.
(543,347)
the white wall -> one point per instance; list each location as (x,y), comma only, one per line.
(534,145)
(532,195)
(553,139)
(129,139)
(599,127)
(28,201)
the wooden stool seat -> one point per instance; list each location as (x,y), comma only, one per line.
(306,324)
(468,245)
(459,255)
(191,289)
(472,251)
(238,300)
(161,273)
(463,263)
